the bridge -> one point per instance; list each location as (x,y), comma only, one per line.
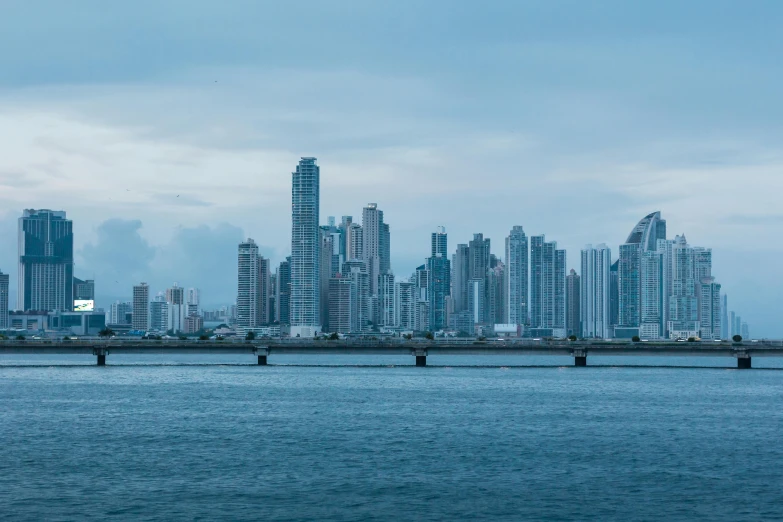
(262,349)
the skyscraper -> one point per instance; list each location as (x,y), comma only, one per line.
(517,276)
(497,306)
(683,321)
(724,317)
(247,285)
(342,306)
(439,280)
(405,305)
(326,274)
(361,305)
(372,232)
(460,276)
(45,261)
(643,238)
(159,313)
(305,249)
(141,307)
(710,309)
(3,300)
(595,291)
(652,291)
(573,304)
(387,300)
(547,286)
(283,289)
(83,290)
(178,310)
(194,301)
(264,291)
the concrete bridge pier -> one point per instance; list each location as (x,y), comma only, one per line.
(421,357)
(580,358)
(743,363)
(262,355)
(101,355)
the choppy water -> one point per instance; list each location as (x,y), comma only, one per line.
(184,442)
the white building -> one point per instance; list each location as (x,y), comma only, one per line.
(517,276)
(595,291)
(305,249)
(405,305)
(141,307)
(247,285)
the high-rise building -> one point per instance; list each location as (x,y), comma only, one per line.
(405,305)
(724,317)
(119,313)
(177,308)
(745,329)
(305,249)
(573,304)
(372,228)
(439,280)
(283,289)
(595,291)
(83,290)
(547,286)
(476,304)
(194,301)
(264,291)
(342,305)
(421,281)
(327,253)
(159,314)
(517,276)
(710,309)
(4,282)
(629,286)
(497,306)
(683,319)
(247,285)
(141,307)
(361,304)
(460,265)
(387,300)
(45,261)
(652,291)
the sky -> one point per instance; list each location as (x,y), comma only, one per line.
(168,130)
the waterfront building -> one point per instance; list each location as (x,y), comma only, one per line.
(305,258)
(263,314)
(517,268)
(175,297)
(710,309)
(141,304)
(652,302)
(193,301)
(247,285)
(459,280)
(573,304)
(405,305)
(497,305)
(476,305)
(361,303)
(343,311)
(283,290)
(121,313)
(547,286)
(45,261)
(387,300)
(83,290)
(326,257)
(683,302)
(159,314)
(4,284)
(439,280)
(724,317)
(193,324)
(595,291)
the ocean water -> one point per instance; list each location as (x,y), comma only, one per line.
(179,439)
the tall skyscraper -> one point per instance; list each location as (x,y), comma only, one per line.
(547,285)
(264,291)
(710,309)
(405,305)
(159,313)
(652,291)
(141,307)
(373,230)
(517,276)
(387,300)
(247,285)
(45,261)
(595,291)
(194,301)
(643,238)
(361,304)
(4,282)
(342,305)
(178,309)
(683,319)
(497,305)
(327,253)
(119,313)
(573,304)
(283,288)
(305,249)
(459,281)
(439,280)
(724,317)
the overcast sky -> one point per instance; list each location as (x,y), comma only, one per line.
(168,130)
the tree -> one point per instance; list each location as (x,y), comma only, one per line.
(106,332)
(334,337)
(20,337)
(203,337)
(572,338)
(429,336)
(250,336)
(183,338)
(737,338)
(691,339)
(635,339)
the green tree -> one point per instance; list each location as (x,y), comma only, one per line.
(106,332)
(737,338)
(635,339)
(572,338)
(20,337)
(429,335)
(250,336)
(691,339)
(203,337)
(334,337)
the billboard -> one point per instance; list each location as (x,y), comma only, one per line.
(83,305)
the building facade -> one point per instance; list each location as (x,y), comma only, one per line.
(573,304)
(517,268)
(45,261)
(247,285)
(141,307)
(4,282)
(305,249)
